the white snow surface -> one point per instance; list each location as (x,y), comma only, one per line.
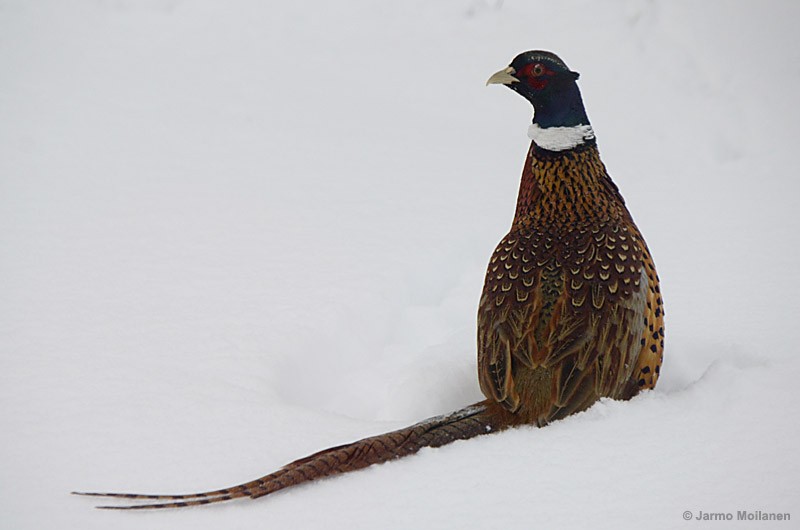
(215,257)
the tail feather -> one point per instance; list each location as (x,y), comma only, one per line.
(434,432)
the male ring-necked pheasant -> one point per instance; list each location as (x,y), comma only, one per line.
(571,308)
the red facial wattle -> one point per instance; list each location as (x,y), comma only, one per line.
(537,75)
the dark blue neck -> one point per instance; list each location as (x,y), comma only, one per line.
(560,108)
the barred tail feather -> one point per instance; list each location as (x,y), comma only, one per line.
(434,432)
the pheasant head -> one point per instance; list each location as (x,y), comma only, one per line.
(559,120)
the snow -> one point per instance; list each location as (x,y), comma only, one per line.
(215,256)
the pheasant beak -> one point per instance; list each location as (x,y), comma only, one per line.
(503,77)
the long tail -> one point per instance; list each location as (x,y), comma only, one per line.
(434,432)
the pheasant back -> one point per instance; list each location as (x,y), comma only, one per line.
(571,308)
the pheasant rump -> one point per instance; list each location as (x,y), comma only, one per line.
(571,309)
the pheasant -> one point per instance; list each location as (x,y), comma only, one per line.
(571,309)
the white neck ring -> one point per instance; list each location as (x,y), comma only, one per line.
(560,138)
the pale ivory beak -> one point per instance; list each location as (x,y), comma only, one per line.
(503,77)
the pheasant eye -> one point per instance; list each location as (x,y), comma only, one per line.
(538,69)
